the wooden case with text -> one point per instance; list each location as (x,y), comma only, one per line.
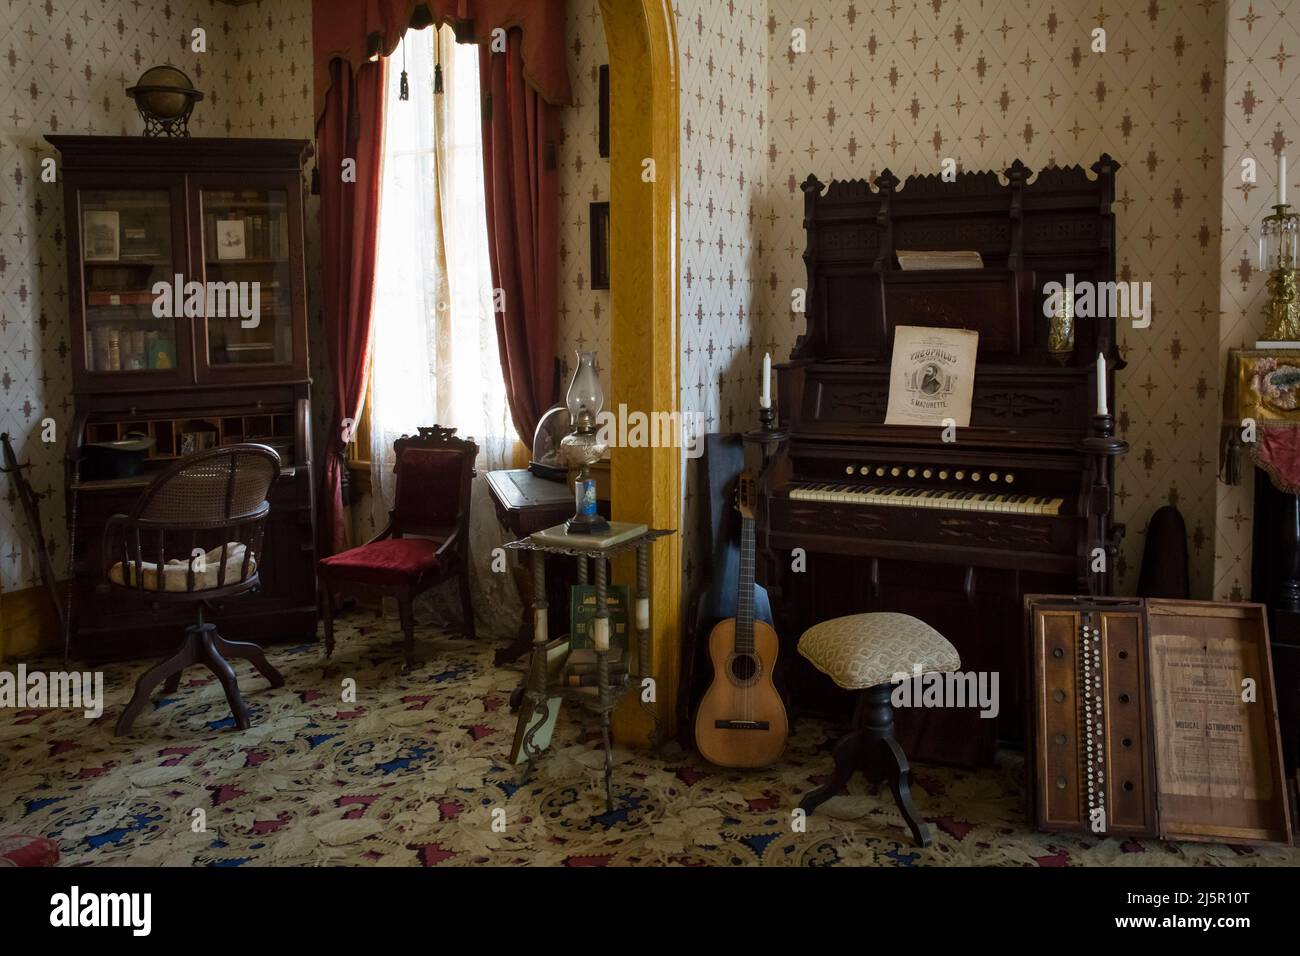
(1154,718)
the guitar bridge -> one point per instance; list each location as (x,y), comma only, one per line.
(740,724)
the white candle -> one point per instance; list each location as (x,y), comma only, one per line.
(1101,385)
(1281,180)
(765,399)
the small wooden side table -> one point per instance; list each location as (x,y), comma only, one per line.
(598,549)
(526,503)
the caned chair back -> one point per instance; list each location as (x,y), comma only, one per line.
(196,531)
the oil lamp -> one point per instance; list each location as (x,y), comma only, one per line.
(582,447)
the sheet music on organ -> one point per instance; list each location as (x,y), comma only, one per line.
(932,376)
(912,260)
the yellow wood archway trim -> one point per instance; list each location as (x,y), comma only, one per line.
(646,482)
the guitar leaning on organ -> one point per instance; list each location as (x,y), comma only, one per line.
(741,721)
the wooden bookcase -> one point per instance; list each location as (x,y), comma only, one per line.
(188,312)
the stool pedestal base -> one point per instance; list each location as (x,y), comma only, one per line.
(872,749)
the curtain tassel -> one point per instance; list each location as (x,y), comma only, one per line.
(437,63)
(315,180)
(404,88)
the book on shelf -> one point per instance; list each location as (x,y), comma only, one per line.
(582,615)
(583,660)
(593,680)
(120,298)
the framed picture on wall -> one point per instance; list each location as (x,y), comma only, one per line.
(600,245)
(603,135)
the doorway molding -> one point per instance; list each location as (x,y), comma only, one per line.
(644,164)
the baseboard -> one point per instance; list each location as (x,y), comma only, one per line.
(28,625)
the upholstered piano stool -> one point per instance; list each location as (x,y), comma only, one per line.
(863,652)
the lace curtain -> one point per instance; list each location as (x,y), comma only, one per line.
(434,347)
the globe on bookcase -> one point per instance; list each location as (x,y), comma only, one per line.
(165,96)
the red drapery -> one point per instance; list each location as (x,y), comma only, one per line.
(350,128)
(521,181)
(527,84)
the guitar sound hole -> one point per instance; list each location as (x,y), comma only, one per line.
(744,668)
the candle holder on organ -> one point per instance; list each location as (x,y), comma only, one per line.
(1277,254)
(583,448)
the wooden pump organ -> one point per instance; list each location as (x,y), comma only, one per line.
(894,517)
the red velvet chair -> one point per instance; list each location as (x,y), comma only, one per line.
(426,541)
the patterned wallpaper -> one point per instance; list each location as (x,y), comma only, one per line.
(1261,119)
(584,179)
(63,69)
(723,63)
(905,83)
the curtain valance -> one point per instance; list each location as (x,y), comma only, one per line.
(355,30)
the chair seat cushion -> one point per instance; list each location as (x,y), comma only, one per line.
(386,562)
(176,571)
(863,650)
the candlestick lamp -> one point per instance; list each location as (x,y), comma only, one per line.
(1277,255)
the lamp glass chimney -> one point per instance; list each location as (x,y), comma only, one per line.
(585,396)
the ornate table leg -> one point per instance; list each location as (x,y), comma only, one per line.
(601,640)
(643,637)
(535,694)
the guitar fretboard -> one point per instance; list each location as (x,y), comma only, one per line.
(745,599)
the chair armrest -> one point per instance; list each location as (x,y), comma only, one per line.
(452,541)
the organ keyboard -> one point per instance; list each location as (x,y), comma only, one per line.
(903,496)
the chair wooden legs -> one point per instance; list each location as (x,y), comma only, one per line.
(243,650)
(203,645)
(327,610)
(872,748)
(466,603)
(407,616)
(226,674)
(405,598)
(169,670)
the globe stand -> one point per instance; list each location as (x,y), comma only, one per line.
(178,127)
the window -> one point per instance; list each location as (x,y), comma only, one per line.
(434,353)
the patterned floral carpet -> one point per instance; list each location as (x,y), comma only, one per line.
(412,772)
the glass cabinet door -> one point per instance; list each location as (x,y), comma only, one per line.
(247,254)
(132,325)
